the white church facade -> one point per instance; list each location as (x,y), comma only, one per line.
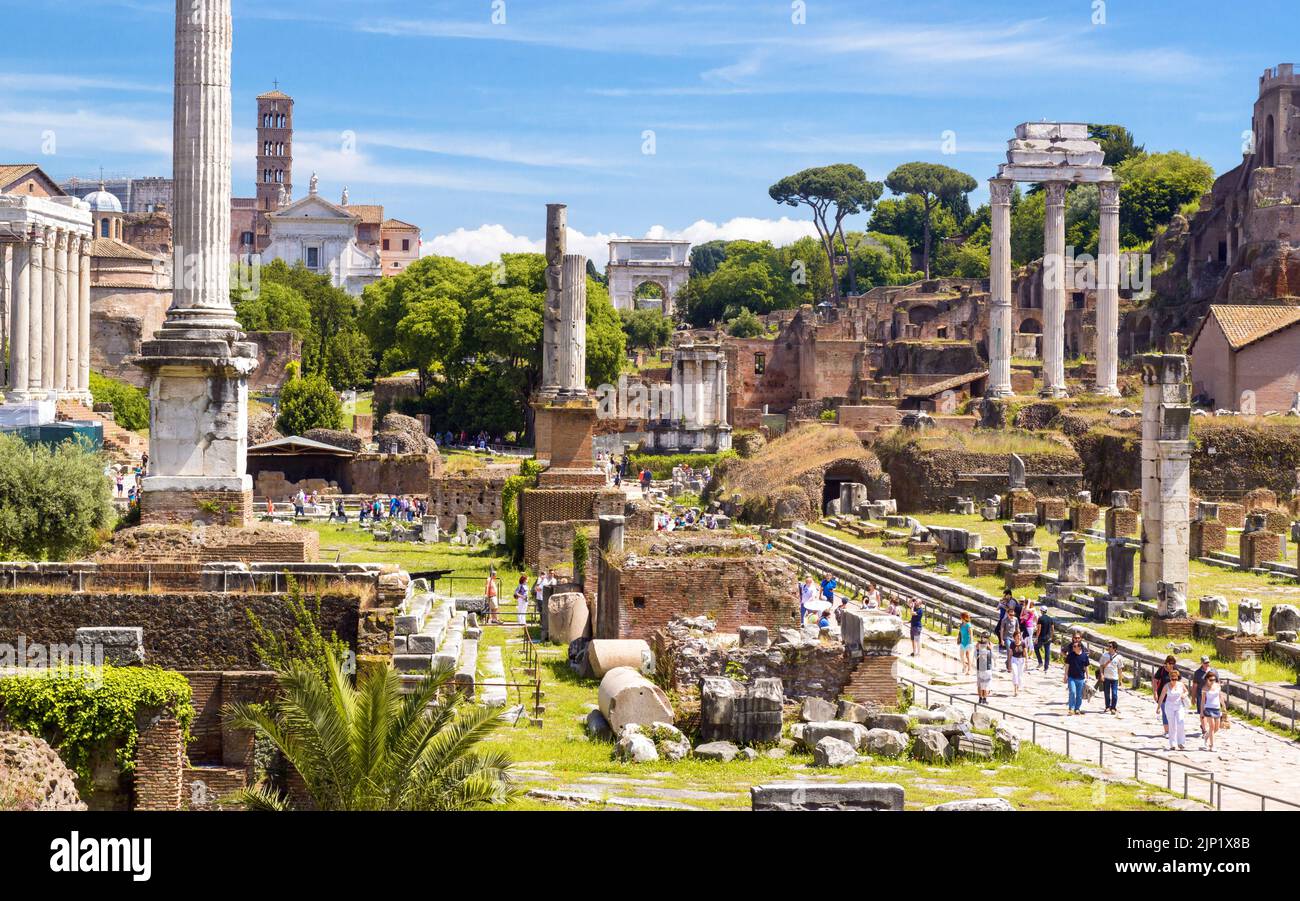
(323,237)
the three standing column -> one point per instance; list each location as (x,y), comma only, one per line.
(36,310)
(59,385)
(49,290)
(1000,289)
(82,375)
(1054,277)
(1107,381)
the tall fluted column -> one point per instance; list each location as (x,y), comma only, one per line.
(61,285)
(201,168)
(36,310)
(722,390)
(49,290)
(19,335)
(1108,291)
(1054,277)
(73,306)
(83,320)
(1000,289)
(572,331)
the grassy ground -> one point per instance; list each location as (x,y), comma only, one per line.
(364,405)
(1204,579)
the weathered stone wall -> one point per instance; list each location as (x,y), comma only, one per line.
(212,742)
(807,669)
(182,631)
(923,478)
(539,505)
(391,390)
(275,350)
(392,473)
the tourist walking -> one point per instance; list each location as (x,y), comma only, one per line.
(490,592)
(1108,673)
(807,592)
(1076,673)
(1159,679)
(1043,639)
(1007,630)
(1212,711)
(828,589)
(918,615)
(983,667)
(964,644)
(1018,654)
(1175,701)
(1199,676)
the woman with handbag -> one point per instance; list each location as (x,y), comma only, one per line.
(1175,702)
(1018,655)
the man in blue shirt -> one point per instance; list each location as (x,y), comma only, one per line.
(828,589)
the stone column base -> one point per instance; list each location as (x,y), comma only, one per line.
(1240,647)
(1106,609)
(185,506)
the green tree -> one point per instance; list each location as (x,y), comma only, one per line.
(1116,142)
(371,747)
(707,257)
(646,329)
(745,325)
(935,185)
(833,193)
(130,404)
(55,503)
(276,308)
(881,259)
(309,403)
(1153,188)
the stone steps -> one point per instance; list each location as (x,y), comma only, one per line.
(121,444)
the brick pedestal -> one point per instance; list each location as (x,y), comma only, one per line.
(1083,516)
(1232,515)
(1240,647)
(216,508)
(1207,536)
(874,680)
(1258,548)
(1172,628)
(1121,522)
(1017,501)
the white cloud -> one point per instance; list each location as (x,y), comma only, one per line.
(487,242)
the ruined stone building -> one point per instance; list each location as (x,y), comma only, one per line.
(1243,244)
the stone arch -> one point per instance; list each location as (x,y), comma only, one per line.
(642,300)
(840,473)
(1030,326)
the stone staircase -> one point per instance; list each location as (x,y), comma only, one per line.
(123,445)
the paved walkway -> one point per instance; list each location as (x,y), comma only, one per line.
(1248,756)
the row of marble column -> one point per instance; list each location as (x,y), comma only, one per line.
(703,392)
(1055,275)
(49,315)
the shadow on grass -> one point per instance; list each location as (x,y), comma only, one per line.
(561,673)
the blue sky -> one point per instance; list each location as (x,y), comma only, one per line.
(467,128)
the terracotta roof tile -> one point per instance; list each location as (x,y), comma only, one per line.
(1243,324)
(370,214)
(117,250)
(11,172)
(398,224)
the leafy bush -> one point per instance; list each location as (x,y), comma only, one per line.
(130,404)
(661,465)
(309,403)
(510,491)
(54,502)
(745,325)
(79,711)
(648,329)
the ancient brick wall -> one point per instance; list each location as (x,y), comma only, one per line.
(555,505)
(388,392)
(734,591)
(212,742)
(228,508)
(391,473)
(477,497)
(923,478)
(159,764)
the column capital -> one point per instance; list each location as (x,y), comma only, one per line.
(1000,190)
(38,235)
(62,239)
(1054,191)
(1108,196)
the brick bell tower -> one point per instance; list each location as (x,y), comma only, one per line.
(274,158)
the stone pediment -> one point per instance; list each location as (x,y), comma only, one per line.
(313,206)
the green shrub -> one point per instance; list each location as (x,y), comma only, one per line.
(79,710)
(130,404)
(661,465)
(309,403)
(510,492)
(55,502)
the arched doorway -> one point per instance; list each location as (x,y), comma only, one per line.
(1030,326)
(649,295)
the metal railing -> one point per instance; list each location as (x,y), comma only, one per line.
(1189,771)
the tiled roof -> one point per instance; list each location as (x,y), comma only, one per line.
(956,381)
(11,172)
(274,95)
(397,224)
(1244,324)
(370,215)
(117,250)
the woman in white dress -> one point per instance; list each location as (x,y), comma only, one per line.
(1175,702)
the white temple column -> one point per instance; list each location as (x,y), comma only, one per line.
(722,390)
(571,332)
(83,320)
(19,336)
(73,341)
(1054,277)
(1107,381)
(1000,325)
(36,310)
(49,290)
(61,286)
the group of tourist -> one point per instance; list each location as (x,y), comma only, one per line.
(127,481)
(686,520)
(492,594)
